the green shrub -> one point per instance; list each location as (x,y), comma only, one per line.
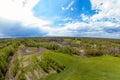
(22,76)
(93,52)
(44,65)
(68,50)
(3,66)
(51,46)
(1,76)
(15,68)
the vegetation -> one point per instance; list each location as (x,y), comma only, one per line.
(21,77)
(95,68)
(68,50)
(47,63)
(4,55)
(59,59)
(15,68)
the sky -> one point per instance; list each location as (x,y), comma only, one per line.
(68,18)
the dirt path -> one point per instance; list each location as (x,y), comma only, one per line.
(8,75)
(11,61)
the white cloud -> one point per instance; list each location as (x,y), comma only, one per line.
(4,36)
(71,9)
(84,29)
(84,17)
(21,11)
(1,35)
(63,8)
(107,17)
(69,6)
(107,9)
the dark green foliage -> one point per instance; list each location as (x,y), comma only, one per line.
(15,68)
(95,45)
(1,76)
(5,43)
(51,46)
(3,66)
(22,76)
(44,65)
(93,52)
(48,45)
(68,50)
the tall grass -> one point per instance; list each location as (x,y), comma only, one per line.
(4,54)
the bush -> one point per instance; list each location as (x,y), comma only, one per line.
(3,66)
(1,76)
(68,50)
(15,68)
(44,65)
(21,77)
(51,46)
(93,52)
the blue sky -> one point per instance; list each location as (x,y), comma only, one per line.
(75,18)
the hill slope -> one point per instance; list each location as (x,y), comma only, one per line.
(94,68)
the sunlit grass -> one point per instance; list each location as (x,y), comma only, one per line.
(93,68)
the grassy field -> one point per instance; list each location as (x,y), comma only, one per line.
(93,68)
(60,59)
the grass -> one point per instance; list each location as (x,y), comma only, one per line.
(30,61)
(61,62)
(62,59)
(93,68)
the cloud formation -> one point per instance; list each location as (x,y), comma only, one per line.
(21,11)
(104,23)
(69,6)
